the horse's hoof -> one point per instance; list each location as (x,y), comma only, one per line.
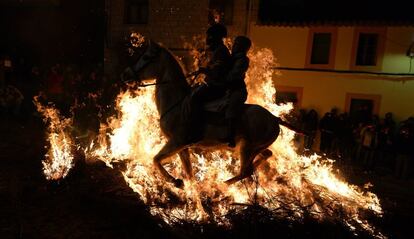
(178,183)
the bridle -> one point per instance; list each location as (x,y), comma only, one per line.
(143,60)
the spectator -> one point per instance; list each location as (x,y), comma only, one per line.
(10,100)
(369,141)
(386,131)
(327,126)
(310,126)
(55,85)
(405,149)
(345,136)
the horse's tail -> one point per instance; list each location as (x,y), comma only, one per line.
(290,126)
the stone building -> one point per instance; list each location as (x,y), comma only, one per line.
(173,22)
(327,56)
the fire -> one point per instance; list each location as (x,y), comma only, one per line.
(59,158)
(288,184)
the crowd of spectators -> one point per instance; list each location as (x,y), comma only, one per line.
(361,138)
(69,86)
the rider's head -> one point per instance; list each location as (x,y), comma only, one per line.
(241,44)
(215,35)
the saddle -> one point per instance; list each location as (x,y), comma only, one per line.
(218,105)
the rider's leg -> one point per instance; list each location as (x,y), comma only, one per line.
(234,109)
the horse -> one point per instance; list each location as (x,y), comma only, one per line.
(256,129)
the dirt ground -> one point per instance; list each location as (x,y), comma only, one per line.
(94,201)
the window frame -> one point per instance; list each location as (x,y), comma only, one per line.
(126,16)
(332,49)
(381,31)
(376,98)
(295,89)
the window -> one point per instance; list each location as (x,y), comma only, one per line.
(289,94)
(221,11)
(321,48)
(136,11)
(361,107)
(367,49)
(286,97)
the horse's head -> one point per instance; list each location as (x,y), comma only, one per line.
(143,56)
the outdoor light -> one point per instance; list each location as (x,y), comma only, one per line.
(410,50)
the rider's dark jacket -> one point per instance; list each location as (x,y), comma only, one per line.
(218,66)
(235,78)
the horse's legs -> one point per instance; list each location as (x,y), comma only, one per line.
(247,154)
(260,158)
(169,149)
(185,161)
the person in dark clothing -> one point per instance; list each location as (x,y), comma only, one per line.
(310,127)
(235,84)
(405,149)
(215,81)
(345,136)
(328,125)
(386,131)
(217,66)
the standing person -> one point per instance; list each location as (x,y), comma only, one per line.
(236,85)
(344,136)
(327,127)
(369,142)
(405,149)
(215,81)
(386,134)
(55,84)
(310,127)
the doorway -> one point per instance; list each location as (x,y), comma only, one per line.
(361,107)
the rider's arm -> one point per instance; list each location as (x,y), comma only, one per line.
(238,71)
(218,65)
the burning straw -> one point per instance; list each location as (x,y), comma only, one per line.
(288,185)
(59,158)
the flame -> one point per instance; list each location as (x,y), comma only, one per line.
(59,158)
(287,184)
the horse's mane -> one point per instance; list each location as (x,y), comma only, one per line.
(175,65)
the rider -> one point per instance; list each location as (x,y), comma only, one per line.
(236,85)
(215,72)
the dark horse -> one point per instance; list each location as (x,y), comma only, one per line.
(256,130)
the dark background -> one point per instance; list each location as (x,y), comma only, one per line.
(51,31)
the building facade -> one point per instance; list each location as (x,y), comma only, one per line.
(325,60)
(346,67)
(172,23)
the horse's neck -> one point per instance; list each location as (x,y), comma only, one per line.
(171,89)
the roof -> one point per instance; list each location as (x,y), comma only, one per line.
(335,12)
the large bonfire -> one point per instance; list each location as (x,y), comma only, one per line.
(288,184)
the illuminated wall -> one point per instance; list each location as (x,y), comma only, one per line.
(324,90)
